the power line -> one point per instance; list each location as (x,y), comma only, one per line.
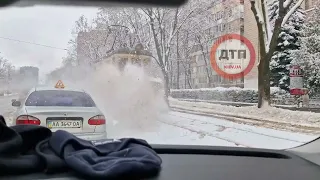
(16,40)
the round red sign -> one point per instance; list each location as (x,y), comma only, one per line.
(232,56)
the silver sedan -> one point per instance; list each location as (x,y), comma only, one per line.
(60,108)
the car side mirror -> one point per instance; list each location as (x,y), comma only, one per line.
(16,103)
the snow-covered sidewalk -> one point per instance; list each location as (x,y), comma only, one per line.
(271,117)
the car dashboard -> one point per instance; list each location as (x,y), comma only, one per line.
(218,163)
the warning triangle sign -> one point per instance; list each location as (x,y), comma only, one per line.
(59,85)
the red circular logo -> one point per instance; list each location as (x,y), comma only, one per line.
(232,56)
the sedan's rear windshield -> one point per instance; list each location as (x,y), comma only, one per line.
(59,98)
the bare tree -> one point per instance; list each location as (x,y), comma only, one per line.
(156,28)
(165,23)
(268,41)
(184,47)
(6,70)
(3,66)
(116,20)
(95,42)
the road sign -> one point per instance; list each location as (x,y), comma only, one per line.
(232,56)
(296,80)
(59,85)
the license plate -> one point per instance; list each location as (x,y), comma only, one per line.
(64,124)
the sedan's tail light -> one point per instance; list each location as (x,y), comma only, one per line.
(25,119)
(97,120)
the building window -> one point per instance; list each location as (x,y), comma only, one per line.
(194,69)
(193,59)
(242,30)
(199,69)
(203,80)
(242,21)
(230,12)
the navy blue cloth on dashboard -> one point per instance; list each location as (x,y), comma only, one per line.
(3,120)
(17,148)
(126,157)
(31,149)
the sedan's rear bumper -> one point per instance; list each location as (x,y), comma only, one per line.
(91,136)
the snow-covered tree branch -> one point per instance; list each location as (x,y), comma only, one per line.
(291,11)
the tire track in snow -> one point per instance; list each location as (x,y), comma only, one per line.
(239,129)
(203,133)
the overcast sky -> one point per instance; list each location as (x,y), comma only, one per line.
(45,25)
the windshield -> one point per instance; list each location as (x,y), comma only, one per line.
(59,98)
(211,72)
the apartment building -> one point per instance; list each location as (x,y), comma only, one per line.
(250,31)
(226,17)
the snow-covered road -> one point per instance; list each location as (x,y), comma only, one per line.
(182,128)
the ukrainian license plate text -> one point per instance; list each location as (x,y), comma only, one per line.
(64,124)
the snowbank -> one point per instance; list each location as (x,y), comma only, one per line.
(233,94)
(271,114)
